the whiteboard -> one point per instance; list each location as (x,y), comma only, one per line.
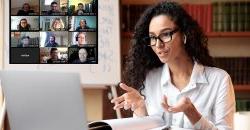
(108,69)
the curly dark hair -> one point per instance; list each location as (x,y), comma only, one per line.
(142,59)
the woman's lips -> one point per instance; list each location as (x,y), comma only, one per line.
(163,53)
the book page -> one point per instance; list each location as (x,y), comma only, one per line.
(139,123)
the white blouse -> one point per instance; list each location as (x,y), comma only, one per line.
(210,89)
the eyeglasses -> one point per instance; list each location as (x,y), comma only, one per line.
(164,37)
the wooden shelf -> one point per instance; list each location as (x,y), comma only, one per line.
(228,34)
(150,2)
(242,88)
(210,34)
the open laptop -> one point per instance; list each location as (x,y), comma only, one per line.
(38,100)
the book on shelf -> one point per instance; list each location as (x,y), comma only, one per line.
(242,104)
(231,16)
(237,68)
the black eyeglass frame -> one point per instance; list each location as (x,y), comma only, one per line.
(171,33)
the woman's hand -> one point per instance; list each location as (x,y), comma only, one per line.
(132,99)
(183,105)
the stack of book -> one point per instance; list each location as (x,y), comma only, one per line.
(231,16)
(237,67)
(243,105)
(213,17)
(202,14)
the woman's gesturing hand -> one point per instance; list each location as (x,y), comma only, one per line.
(183,105)
(131,99)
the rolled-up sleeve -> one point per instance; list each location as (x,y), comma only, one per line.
(223,110)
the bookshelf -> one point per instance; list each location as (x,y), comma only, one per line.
(218,18)
(242,88)
(209,34)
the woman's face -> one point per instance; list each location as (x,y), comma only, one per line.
(82,23)
(169,51)
(24,23)
(81,39)
(57,24)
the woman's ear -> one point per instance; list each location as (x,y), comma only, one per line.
(184,39)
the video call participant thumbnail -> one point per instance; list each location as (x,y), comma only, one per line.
(26,10)
(25,42)
(52,42)
(80,10)
(24,39)
(54,39)
(23,25)
(57,25)
(82,25)
(53,23)
(54,57)
(82,7)
(83,55)
(24,55)
(54,10)
(80,39)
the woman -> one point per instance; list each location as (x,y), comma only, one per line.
(82,25)
(23,25)
(57,25)
(171,74)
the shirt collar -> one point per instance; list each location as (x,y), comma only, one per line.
(165,76)
(198,74)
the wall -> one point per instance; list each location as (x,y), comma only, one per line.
(229,47)
(93,103)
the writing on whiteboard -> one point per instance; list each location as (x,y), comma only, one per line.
(106,32)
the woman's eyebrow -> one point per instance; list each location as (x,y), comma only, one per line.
(166,29)
(163,30)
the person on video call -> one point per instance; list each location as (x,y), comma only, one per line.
(23,25)
(53,9)
(24,42)
(82,57)
(170,74)
(80,10)
(52,42)
(25,10)
(80,39)
(53,56)
(82,25)
(57,25)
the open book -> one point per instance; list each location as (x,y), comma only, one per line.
(138,123)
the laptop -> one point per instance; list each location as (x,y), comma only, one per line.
(37,100)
